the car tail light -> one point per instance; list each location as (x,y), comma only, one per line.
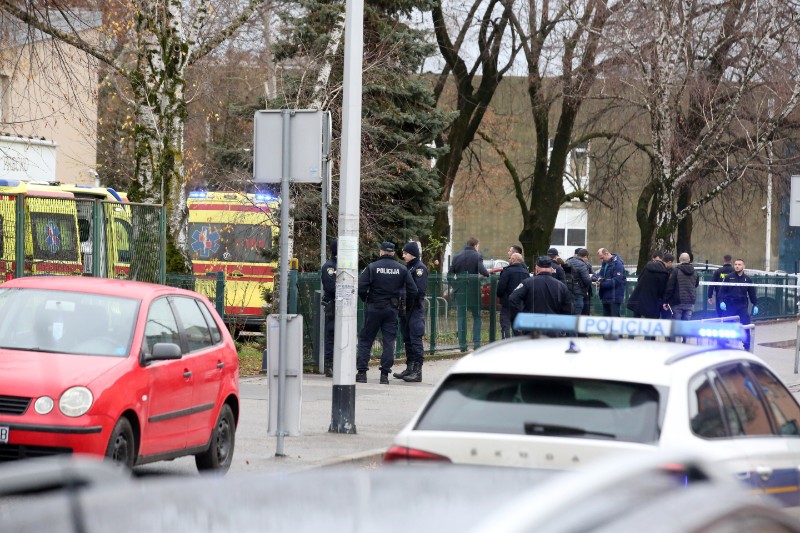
(401,453)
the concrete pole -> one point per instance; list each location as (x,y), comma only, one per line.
(343,406)
(768,250)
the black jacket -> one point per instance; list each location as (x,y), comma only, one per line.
(510,278)
(419,273)
(719,275)
(734,296)
(648,295)
(581,275)
(470,262)
(327,276)
(385,280)
(542,294)
(558,272)
(682,285)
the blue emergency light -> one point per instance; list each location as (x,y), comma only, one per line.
(197,194)
(9,182)
(261,197)
(605,325)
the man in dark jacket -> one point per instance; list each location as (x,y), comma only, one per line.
(413,320)
(463,276)
(541,293)
(648,295)
(510,278)
(579,278)
(734,297)
(681,290)
(328,279)
(719,276)
(381,286)
(610,281)
(558,269)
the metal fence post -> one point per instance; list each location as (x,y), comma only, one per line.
(98,251)
(162,266)
(219,294)
(434,307)
(19,252)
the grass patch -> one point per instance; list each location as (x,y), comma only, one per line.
(250,356)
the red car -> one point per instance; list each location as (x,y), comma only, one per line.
(130,371)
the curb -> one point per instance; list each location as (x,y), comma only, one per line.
(370,458)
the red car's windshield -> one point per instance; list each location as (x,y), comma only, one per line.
(66,322)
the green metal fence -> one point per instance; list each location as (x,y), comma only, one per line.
(476,295)
(51,235)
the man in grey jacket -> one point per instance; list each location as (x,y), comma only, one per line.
(681,290)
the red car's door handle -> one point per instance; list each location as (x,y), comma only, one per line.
(187,374)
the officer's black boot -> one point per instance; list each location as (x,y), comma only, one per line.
(384,378)
(361,377)
(404,373)
(415,376)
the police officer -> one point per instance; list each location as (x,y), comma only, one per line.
(467,290)
(542,293)
(734,292)
(719,276)
(413,320)
(327,276)
(558,270)
(381,286)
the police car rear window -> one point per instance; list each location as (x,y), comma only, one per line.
(545,406)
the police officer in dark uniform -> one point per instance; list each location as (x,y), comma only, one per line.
(382,285)
(558,270)
(542,293)
(733,298)
(413,320)
(719,276)
(327,276)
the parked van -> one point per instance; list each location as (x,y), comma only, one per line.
(235,233)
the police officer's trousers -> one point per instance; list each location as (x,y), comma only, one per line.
(377,317)
(413,324)
(743,312)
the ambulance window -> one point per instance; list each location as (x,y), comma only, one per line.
(54,236)
(123,236)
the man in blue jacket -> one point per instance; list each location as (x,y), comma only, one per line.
(510,278)
(610,282)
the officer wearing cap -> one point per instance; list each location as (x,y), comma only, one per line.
(327,276)
(412,321)
(542,293)
(382,285)
(558,270)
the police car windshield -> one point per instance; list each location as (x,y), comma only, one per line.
(545,406)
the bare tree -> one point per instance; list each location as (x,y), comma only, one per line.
(150,45)
(485,22)
(717,82)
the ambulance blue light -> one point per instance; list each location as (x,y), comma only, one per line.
(601,325)
(9,183)
(260,197)
(197,194)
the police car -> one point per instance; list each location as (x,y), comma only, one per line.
(561,402)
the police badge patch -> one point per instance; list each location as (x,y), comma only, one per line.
(331,271)
(419,272)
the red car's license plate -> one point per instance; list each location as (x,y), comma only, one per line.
(3,434)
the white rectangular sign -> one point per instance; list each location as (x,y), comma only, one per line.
(794,202)
(305,146)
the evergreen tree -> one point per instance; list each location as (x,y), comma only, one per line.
(399,189)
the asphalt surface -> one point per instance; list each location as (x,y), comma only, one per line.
(382,411)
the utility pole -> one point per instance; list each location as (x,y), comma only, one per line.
(343,406)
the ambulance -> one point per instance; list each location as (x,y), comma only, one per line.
(58,222)
(236,233)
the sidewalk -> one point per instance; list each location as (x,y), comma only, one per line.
(382,411)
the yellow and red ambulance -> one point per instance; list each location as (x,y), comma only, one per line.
(235,233)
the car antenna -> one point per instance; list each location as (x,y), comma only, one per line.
(573,348)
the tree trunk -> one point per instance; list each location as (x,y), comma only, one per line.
(684,239)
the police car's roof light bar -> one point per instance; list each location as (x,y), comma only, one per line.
(597,325)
